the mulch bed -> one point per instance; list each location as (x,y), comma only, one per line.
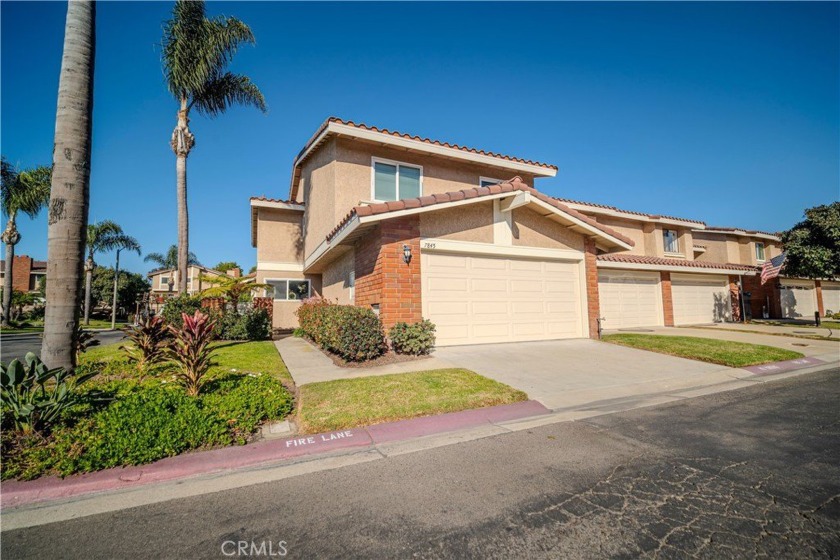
(383,360)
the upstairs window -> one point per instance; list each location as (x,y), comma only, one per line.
(164,281)
(669,236)
(395,181)
(759,252)
(487,182)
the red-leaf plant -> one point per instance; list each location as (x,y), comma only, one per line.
(148,342)
(190,349)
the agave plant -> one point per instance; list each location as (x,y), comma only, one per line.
(37,396)
(148,342)
(190,349)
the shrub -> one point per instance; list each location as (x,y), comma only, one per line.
(836,316)
(353,333)
(243,401)
(254,324)
(35,396)
(191,351)
(416,339)
(177,306)
(148,342)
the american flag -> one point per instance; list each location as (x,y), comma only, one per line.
(772,268)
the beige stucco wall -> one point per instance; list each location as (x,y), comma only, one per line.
(724,248)
(336,276)
(471,222)
(317,182)
(716,247)
(279,236)
(633,230)
(193,286)
(532,230)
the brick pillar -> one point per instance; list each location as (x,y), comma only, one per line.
(21,273)
(667,298)
(820,305)
(593,302)
(382,275)
(735,298)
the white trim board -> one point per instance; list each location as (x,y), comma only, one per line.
(279,266)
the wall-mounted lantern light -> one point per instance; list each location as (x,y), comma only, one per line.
(406,254)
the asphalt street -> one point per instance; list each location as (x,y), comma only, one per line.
(747,473)
(16,346)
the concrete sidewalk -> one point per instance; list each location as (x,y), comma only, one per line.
(308,364)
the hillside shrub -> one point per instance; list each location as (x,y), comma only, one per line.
(416,339)
(353,333)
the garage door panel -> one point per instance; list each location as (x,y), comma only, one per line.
(831,297)
(798,298)
(506,300)
(700,299)
(629,299)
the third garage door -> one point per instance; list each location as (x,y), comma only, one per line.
(831,297)
(700,298)
(629,299)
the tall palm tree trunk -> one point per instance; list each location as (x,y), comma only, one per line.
(70,190)
(114,300)
(10,237)
(182,142)
(89,264)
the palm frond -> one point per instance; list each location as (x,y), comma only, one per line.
(170,259)
(26,191)
(226,90)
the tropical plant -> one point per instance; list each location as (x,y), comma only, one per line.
(190,349)
(101,237)
(196,53)
(84,341)
(169,260)
(70,186)
(148,342)
(813,245)
(37,396)
(25,191)
(232,289)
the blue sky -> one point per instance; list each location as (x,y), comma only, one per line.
(724,112)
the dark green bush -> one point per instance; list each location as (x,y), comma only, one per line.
(416,339)
(243,401)
(254,324)
(353,333)
(175,306)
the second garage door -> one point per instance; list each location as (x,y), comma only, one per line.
(700,298)
(629,299)
(476,300)
(799,299)
(831,297)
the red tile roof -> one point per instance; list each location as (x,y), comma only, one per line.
(641,259)
(616,209)
(747,231)
(364,126)
(265,199)
(515,184)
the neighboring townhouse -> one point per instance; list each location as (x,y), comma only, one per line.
(165,281)
(416,228)
(26,273)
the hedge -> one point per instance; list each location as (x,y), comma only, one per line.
(353,333)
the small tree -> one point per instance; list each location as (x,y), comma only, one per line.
(130,288)
(101,237)
(813,245)
(170,258)
(226,265)
(232,289)
(190,349)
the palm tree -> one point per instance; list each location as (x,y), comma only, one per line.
(101,237)
(26,191)
(170,259)
(196,52)
(70,191)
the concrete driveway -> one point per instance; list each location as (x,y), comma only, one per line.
(570,373)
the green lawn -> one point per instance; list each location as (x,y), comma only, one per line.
(723,352)
(347,403)
(259,356)
(831,324)
(94,324)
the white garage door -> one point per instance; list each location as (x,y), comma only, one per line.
(629,299)
(831,297)
(476,300)
(700,298)
(799,299)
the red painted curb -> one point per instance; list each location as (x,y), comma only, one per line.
(16,493)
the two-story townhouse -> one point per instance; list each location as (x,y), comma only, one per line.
(165,281)
(27,273)
(417,228)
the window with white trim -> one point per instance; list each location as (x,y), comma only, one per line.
(669,236)
(288,289)
(395,181)
(164,281)
(759,252)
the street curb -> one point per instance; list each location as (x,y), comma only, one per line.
(46,489)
